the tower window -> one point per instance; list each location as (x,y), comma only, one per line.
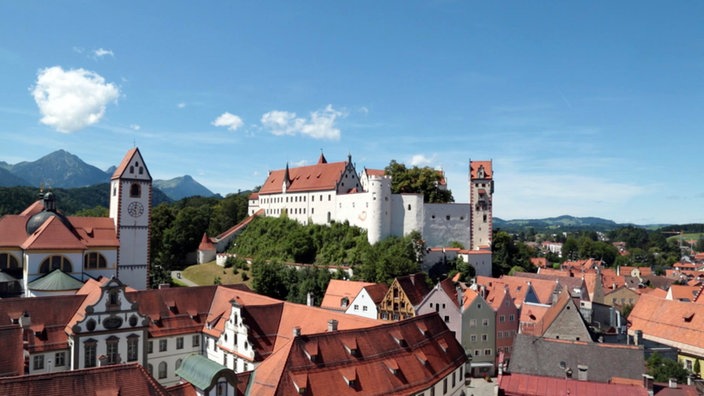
(131,169)
(135,190)
(94,260)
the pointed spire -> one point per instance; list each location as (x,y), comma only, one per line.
(287,178)
(322,159)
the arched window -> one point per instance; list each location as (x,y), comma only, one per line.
(10,265)
(178,363)
(162,370)
(55,262)
(135,190)
(94,260)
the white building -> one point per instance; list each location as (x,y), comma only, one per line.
(327,192)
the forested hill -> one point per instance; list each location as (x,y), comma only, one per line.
(14,200)
(554,224)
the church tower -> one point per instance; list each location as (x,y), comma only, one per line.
(131,209)
(481,190)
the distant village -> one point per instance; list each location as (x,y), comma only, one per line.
(78,316)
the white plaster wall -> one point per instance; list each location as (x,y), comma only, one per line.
(403,220)
(34,262)
(438,301)
(444,223)
(363,300)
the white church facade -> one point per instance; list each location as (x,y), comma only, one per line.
(49,253)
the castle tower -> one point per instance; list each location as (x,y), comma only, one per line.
(131,209)
(379,212)
(481,190)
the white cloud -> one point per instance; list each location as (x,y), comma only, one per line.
(101,52)
(420,160)
(321,124)
(181,105)
(135,127)
(231,121)
(70,100)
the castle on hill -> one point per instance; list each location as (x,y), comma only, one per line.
(334,191)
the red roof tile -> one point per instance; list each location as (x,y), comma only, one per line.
(339,289)
(475,165)
(318,177)
(120,379)
(533,385)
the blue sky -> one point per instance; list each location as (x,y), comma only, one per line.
(586,108)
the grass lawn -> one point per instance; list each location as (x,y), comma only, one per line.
(204,274)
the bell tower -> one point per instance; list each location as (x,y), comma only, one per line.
(481,190)
(131,209)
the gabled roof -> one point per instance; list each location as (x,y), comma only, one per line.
(520,288)
(119,379)
(132,156)
(414,286)
(534,385)
(474,168)
(53,234)
(319,177)
(571,284)
(551,358)
(339,289)
(395,358)
(668,321)
(377,292)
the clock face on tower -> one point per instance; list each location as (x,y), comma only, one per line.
(135,209)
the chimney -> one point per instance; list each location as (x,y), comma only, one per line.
(296,331)
(648,384)
(25,320)
(332,325)
(638,337)
(309,299)
(672,383)
(459,295)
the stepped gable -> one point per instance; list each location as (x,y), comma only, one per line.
(318,177)
(396,358)
(474,168)
(119,379)
(521,289)
(338,290)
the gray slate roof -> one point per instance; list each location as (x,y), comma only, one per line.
(544,357)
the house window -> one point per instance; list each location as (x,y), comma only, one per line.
(444,386)
(94,260)
(179,343)
(132,348)
(195,341)
(487,352)
(447,319)
(473,338)
(484,337)
(356,307)
(135,190)
(409,207)
(472,323)
(55,262)
(511,318)
(178,363)
(60,359)
(485,322)
(89,356)
(364,308)
(150,347)
(162,345)
(111,346)
(162,370)
(502,318)
(38,362)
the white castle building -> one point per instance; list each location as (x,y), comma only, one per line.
(334,191)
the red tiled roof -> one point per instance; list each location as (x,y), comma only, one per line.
(377,292)
(12,356)
(318,177)
(533,385)
(414,286)
(337,290)
(380,365)
(240,225)
(120,379)
(205,243)
(121,169)
(674,321)
(475,165)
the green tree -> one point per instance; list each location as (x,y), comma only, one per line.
(270,279)
(418,180)
(662,369)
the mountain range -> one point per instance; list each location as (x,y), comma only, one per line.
(62,169)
